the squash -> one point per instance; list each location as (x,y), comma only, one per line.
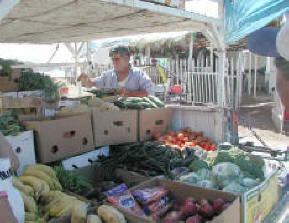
(110,215)
(93,219)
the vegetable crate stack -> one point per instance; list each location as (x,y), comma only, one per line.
(27,107)
(119,122)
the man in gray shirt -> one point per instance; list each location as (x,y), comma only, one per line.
(131,81)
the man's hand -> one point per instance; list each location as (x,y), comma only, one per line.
(84,79)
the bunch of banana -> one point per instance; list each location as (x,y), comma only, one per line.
(31,217)
(57,203)
(40,178)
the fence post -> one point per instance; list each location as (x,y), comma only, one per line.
(220,82)
(250,74)
(255,76)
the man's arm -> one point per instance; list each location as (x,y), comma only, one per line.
(146,84)
(85,80)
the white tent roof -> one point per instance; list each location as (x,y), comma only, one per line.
(42,21)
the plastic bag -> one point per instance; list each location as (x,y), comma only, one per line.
(149,195)
(191,178)
(207,184)
(204,174)
(120,196)
(226,172)
(235,188)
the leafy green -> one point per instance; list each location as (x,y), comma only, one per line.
(197,165)
(72,181)
(9,124)
(6,70)
(30,81)
(252,165)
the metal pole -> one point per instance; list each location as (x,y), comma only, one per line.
(250,74)
(255,76)
(220,88)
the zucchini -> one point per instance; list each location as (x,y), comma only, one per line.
(157,101)
(146,99)
(134,99)
(145,104)
(133,105)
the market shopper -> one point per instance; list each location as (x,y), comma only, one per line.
(274,42)
(131,81)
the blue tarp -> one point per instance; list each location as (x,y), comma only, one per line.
(243,17)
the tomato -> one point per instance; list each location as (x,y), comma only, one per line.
(185,139)
(213,147)
(169,138)
(206,147)
(180,136)
(189,144)
(174,141)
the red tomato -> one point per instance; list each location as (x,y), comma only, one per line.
(180,136)
(171,133)
(213,147)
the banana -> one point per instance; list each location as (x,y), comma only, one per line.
(24,188)
(39,186)
(62,206)
(57,185)
(50,196)
(29,203)
(30,216)
(46,169)
(42,176)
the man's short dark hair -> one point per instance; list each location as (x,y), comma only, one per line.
(283,67)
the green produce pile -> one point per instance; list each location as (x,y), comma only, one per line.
(9,124)
(146,158)
(72,181)
(139,103)
(6,70)
(30,81)
(104,92)
(232,170)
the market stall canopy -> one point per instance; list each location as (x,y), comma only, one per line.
(37,21)
(243,17)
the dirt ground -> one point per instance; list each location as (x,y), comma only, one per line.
(256,112)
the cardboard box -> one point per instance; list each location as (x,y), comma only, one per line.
(153,121)
(114,127)
(62,138)
(180,191)
(20,102)
(86,159)
(258,202)
(7,85)
(23,147)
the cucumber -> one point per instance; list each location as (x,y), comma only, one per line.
(146,99)
(157,101)
(134,99)
(119,104)
(133,105)
(145,104)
